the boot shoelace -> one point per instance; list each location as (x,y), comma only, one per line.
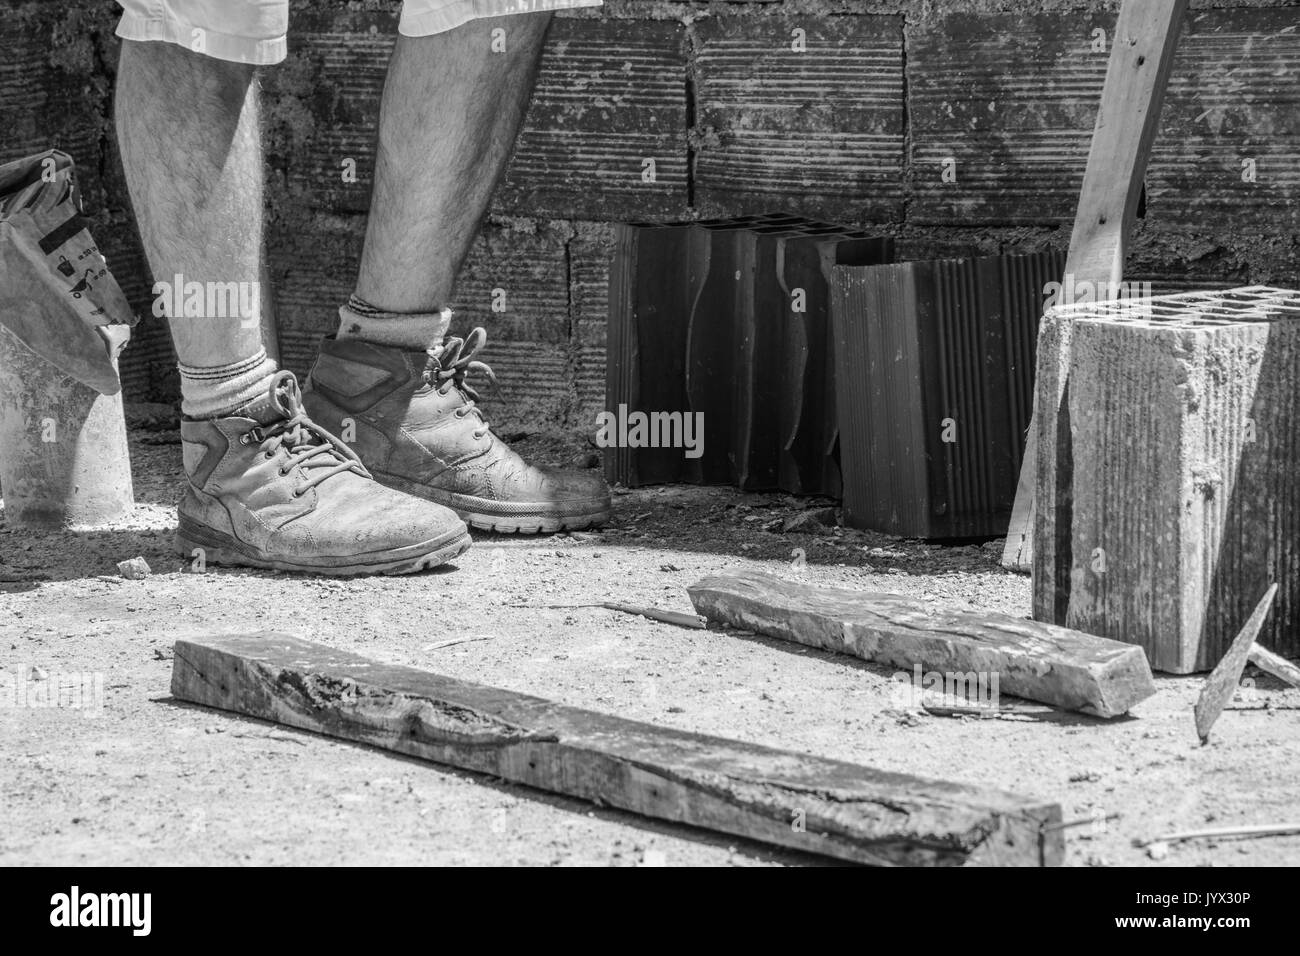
(309,446)
(447,367)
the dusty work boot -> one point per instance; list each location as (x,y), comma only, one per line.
(415,424)
(268,488)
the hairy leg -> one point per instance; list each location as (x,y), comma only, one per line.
(451,110)
(190,141)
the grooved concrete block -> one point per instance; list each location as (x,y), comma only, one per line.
(515,285)
(52,93)
(1183,412)
(800,111)
(322,107)
(1002,109)
(605,134)
(604,137)
(314,270)
(590,253)
(935,372)
(724,323)
(1229,146)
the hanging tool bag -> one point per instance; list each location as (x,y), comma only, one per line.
(56,293)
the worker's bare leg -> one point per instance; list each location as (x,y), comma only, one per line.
(451,109)
(191,149)
(266,488)
(453,103)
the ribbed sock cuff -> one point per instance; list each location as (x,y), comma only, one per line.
(417,331)
(216,391)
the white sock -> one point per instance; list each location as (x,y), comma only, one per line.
(417,331)
(217,391)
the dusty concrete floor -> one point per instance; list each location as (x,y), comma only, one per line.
(150,781)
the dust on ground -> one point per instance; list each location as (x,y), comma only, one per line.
(148,780)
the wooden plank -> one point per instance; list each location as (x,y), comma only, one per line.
(1186,473)
(791,800)
(1275,664)
(1142,53)
(1036,661)
(809,107)
(1222,682)
(1010,99)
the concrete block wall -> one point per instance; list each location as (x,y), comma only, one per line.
(958,127)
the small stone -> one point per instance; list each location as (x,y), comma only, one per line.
(1158,850)
(813,521)
(134,569)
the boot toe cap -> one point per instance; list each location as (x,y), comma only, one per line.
(559,486)
(375,519)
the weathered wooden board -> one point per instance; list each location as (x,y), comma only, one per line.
(1141,56)
(1222,682)
(1011,99)
(1275,664)
(807,107)
(837,809)
(1229,147)
(1186,465)
(1036,661)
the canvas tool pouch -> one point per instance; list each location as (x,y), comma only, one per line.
(56,293)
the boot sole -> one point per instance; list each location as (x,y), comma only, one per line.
(507,517)
(222,549)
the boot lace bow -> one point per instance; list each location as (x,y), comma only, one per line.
(450,363)
(318,453)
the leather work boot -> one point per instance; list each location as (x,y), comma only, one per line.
(418,429)
(274,490)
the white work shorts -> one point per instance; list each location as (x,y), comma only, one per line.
(254,31)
